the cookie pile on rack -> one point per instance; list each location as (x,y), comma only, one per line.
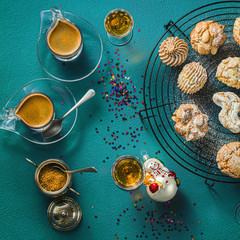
(190,122)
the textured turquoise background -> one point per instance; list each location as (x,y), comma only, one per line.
(206,213)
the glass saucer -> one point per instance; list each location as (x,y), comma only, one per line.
(237,213)
(79,68)
(62,99)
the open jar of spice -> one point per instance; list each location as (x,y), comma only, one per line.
(51,179)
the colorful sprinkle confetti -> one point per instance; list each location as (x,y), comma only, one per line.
(123,130)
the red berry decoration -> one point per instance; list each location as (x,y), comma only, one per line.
(172,174)
(153,187)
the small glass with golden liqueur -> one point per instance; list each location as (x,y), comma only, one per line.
(64,39)
(128,172)
(119,24)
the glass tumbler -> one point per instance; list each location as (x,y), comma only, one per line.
(128,172)
(119,25)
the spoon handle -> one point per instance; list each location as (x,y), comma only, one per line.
(32,162)
(90,93)
(89,169)
(74,191)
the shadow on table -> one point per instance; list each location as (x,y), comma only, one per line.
(179,205)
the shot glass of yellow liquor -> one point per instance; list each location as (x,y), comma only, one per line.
(119,24)
(128,172)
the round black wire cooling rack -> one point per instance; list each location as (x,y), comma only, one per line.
(162,95)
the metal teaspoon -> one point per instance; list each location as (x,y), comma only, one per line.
(56,125)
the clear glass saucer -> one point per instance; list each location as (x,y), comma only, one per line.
(79,68)
(62,99)
(237,213)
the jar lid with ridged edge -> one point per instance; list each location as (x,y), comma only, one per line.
(64,213)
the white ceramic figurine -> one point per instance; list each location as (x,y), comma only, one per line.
(161,183)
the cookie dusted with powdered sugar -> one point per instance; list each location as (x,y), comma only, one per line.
(230,104)
(228,72)
(207,37)
(191,123)
(228,159)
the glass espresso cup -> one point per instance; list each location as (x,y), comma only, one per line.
(119,24)
(128,172)
(35,110)
(64,39)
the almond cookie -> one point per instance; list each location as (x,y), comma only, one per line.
(192,78)
(191,123)
(230,104)
(228,72)
(236,31)
(228,159)
(173,51)
(207,37)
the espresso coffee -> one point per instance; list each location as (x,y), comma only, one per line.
(64,38)
(35,110)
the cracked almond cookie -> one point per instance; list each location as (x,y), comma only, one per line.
(228,159)
(191,123)
(207,37)
(228,72)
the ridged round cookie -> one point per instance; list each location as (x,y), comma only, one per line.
(192,78)
(228,159)
(173,51)
(236,31)
(228,72)
(207,37)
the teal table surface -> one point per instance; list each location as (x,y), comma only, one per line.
(104,131)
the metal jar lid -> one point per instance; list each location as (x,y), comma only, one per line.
(64,213)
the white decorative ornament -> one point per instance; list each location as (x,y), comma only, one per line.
(162,184)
